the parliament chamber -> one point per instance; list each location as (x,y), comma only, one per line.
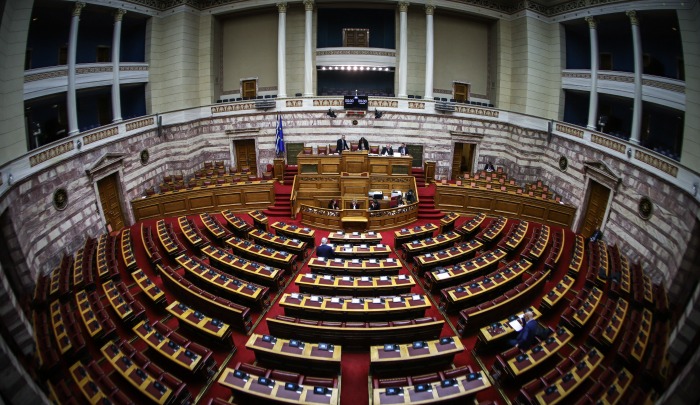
(169,172)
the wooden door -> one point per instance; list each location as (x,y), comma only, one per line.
(595,211)
(108,189)
(356,37)
(462,159)
(461,92)
(456,161)
(245,155)
(249,88)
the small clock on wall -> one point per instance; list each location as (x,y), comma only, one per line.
(60,199)
(563,163)
(145,156)
(646,207)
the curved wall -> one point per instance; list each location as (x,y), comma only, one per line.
(510,140)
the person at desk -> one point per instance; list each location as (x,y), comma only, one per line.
(410,197)
(333,204)
(526,336)
(324,249)
(489,167)
(403,150)
(363,144)
(342,144)
(354,205)
(387,150)
(374,205)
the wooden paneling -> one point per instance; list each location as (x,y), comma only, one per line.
(237,197)
(493,203)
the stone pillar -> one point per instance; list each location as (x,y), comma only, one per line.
(638,70)
(282,50)
(72,104)
(429,42)
(116,44)
(308,63)
(593,99)
(403,47)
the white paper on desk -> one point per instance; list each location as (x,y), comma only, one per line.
(335,300)
(355,260)
(380,246)
(396,299)
(515,324)
(372,260)
(363,246)
(347,245)
(295,295)
(355,301)
(355,233)
(327,277)
(346,278)
(441,276)
(338,260)
(402,277)
(416,297)
(377,300)
(365,278)
(314,298)
(383,278)
(348,250)
(309,275)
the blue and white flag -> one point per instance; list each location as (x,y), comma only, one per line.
(279,139)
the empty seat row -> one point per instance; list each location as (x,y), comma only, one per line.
(93,380)
(556,250)
(423,378)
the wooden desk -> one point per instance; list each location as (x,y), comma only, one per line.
(276,392)
(259,220)
(361,251)
(461,389)
(615,392)
(170,246)
(238,196)
(77,269)
(192,235)
(563,388)
(104,255)
(535,249)
(449,197)
(335,308)
(145,384)
(355,238)
(433,354)
(363,286)
(454,254)
(612,329)
(240,227)
(641,339)
(229,287)
(369,267)
(430,244)
(498,331)
(213,226)
(205,325)
(460,295)
(304,356)
(123,309)
(577,256)
(168,348)
(472,226)
(354,223)
(292,231)
(538,354)
(516,236)
(417,232)
(128,249)
(494,230)
(279,242)
(155,294)
(230,263)
(447,223)
(557,293)
(253,251)
(88,314)
(587,308)
(60,328)
(87,384)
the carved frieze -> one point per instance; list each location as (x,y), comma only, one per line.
(51,153)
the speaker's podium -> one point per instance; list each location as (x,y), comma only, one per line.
(354,220)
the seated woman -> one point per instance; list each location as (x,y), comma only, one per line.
(363,144)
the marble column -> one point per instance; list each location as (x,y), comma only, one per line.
(593,98)
(72,104)
(282,50)
(116,44)
(638,71)
(403,47)
(429,46)
(308,62)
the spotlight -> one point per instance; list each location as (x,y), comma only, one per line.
(331,113)
(10,179)
(79,144)
(377,114)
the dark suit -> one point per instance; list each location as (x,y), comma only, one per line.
(324,251)
(342,145)
(526,336)
(389,151)
(333,205)
(354,206)
(363,144)
(403,150)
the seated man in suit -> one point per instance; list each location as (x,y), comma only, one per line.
(324,249)
(354,205)
(489,167)
(374,205)
(342,145)
(403,149)
(410,197)
(333,204)
(363,144)
(387,150)
(526,336)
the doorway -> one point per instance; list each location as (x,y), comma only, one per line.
(245,155)
(598,197)
(108,189)
(462,159)
(249,89)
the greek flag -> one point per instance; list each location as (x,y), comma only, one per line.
(279,139)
